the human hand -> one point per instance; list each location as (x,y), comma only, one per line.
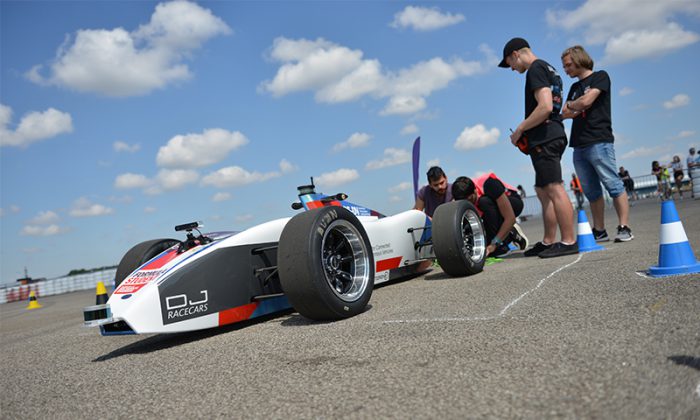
(489,249)
(515,136)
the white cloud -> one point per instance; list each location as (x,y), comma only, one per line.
(34,126)
(642,43)
(339,74)
(425,19)
(404,186)
(392,157)
(44,218)
(120,146)
(685,134)
(477,137)
(677,101)
(629,29)
(354,141)
(50,230)
(130,180)
(199,150)
(235,176)
(409,129)
(83,207)
(175,179)
(402,105)
(221,196)
(432,162)
(336,178)
(626,91)
(244,218)
(149,210)
(120,63)
(287,167)
(645,152)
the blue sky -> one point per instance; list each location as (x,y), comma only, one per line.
(121,119)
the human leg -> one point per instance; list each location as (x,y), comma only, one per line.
(563,211)
(549,217)
(491,217)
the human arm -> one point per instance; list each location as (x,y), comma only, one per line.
(420,204)
(540,114)
(506,210)
(582,103)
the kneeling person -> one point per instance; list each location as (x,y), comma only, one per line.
(498,204)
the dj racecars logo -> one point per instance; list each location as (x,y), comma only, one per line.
(181,307)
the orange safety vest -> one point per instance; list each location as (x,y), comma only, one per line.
(479,184)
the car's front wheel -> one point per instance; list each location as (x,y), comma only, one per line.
(458,238)
(326,265)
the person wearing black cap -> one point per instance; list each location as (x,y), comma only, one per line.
(543,133)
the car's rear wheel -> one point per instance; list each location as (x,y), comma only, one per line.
(326,265)
(139,254)
(458,238)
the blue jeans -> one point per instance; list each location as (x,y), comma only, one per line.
(595,164)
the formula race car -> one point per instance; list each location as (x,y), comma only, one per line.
(323,262)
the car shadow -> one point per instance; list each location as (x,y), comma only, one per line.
(690,361)
(295,319)
(165,341)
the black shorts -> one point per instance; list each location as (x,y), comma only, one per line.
(677,174)
(546,159)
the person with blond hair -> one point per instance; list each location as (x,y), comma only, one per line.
(588,105)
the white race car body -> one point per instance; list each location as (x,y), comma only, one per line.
(226,277)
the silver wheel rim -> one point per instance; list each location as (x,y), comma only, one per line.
(473,238)
(345,261)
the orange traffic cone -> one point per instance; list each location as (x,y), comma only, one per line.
(101,293)
(33,304)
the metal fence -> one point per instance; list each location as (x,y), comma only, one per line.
(59,285)
(645,186)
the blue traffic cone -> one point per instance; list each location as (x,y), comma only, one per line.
(675,254)
(586,241)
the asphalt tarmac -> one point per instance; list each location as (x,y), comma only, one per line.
(583,336)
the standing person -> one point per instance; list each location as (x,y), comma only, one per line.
(544,133)
(628,182)
(438,191)
(692,161)
(662,180)
(521,191)
(575,185)
(588,104)
(499,204)
(677,167)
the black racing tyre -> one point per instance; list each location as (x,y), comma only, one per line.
(138,255)
(458,238)
(326,265)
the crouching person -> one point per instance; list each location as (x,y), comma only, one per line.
(498,204)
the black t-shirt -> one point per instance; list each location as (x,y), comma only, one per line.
(494,188)
(593,125)
(539,75)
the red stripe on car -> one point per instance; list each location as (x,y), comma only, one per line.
(388,264)
(161,261)
(239,313)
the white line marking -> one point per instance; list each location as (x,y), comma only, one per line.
(538,285)
(697,390)
(487,318)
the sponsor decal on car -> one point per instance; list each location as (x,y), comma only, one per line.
(137,280)
(180,307)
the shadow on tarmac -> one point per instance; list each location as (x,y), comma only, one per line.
(690,361)
(166,341)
